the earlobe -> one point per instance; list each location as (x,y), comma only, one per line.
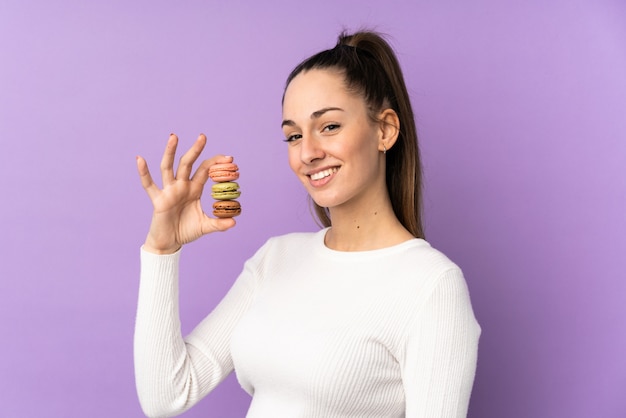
(389,129)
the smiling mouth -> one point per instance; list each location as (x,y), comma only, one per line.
(324,173)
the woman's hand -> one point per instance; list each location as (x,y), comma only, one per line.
(178,217)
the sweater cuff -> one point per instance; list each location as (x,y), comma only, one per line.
(159,267)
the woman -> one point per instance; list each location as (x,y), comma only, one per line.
(361,319)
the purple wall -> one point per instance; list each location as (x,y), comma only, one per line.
(522,116)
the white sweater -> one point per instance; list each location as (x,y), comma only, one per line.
(313,332)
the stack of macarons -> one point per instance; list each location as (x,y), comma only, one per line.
(225,190)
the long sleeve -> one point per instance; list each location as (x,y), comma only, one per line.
(441,352)
(173,373)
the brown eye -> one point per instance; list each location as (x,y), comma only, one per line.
(292,138)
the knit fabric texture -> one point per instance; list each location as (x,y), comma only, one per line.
(313,332)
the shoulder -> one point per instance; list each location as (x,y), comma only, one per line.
(422,257)
(437,290)
(419,271)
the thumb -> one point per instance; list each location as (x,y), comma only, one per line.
(218,224)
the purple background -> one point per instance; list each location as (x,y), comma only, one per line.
(521,111)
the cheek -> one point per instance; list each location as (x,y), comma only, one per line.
(366,147)
(294,160)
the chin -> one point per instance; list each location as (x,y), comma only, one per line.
(325,201)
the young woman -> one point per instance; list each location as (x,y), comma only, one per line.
(360,319)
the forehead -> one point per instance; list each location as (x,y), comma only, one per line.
(315,89)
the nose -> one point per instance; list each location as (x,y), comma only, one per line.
(310,149)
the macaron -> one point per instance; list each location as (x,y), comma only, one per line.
(225,191)
(224,172)
(226,208)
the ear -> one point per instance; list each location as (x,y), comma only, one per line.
(389,129)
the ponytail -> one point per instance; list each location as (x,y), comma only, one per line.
(370,68)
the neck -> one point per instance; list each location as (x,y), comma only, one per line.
(365,227)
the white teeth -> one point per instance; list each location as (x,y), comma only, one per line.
(321,174)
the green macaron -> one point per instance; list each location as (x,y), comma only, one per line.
(228,190)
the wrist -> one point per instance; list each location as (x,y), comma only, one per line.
(151,247)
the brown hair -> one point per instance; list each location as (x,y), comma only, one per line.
(370,68)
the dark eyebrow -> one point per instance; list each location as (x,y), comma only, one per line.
(314,115)
(287,122)
(320,112)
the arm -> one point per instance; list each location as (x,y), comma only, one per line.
(172,374)
(439,363)
(164,372)
(168,370)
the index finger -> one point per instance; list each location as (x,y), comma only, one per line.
(202,173)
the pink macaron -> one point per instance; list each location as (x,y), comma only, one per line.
(224,172)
